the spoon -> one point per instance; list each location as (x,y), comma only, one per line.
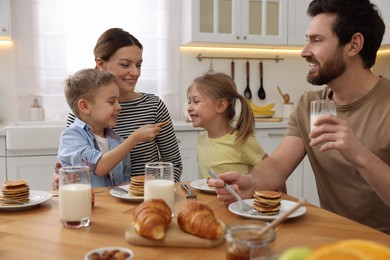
(261,92)
(247,91)
(286,97)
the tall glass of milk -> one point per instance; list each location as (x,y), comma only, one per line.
(319,108)
(159,182)
(75,196)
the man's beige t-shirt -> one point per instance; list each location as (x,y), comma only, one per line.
(340,186)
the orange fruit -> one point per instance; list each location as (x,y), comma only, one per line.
(352,249)
(371,249)
(334,252)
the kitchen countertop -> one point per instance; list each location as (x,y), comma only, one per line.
(180,125)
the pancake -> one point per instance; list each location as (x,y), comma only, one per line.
(15,192)
(267,202)
(136,187)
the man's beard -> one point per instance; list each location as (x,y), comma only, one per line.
(330,70)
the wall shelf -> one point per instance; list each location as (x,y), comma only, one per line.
(200,57)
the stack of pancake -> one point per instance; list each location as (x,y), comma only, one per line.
(15,192)
(136,187)
(267,202)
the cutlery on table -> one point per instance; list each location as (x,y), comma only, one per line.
(190,194)
(245,207)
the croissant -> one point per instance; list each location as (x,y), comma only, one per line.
(199,220)
(151,218)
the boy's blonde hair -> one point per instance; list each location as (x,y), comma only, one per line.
(84,84)
(221,86)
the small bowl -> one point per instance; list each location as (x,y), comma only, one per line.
(101,250)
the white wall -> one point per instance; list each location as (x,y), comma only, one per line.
(8,107)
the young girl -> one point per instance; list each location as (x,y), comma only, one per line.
(227,145)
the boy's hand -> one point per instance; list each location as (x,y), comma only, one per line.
(147,133)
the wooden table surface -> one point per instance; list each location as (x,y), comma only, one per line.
(38,234)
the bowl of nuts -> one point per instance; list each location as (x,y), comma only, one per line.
(108,253)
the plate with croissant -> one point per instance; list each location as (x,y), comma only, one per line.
(285,206)
(126,195)
(152,224)
(202,185)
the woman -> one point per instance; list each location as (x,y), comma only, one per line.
(120,53)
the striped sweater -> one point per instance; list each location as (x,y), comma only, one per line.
(147,109)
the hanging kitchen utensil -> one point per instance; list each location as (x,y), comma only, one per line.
(211,67)
(247,91)
(261,92)
(286,97)
(232,69)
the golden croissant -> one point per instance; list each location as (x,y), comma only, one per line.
(199,220)
(151,218)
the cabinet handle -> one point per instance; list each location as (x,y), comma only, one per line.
(274,134)
(237,37)
(244,37)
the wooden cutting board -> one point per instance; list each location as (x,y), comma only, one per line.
(268,119)
(174,237)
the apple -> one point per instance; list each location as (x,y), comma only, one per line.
(296,253)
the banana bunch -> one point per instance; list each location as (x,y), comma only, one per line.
(262,110)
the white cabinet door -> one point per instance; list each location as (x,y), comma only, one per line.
(37,170)
(3,170)
(298,21)
(235,21)
(5,21)
(187,141)
(384,8)
(309,184)
(269,139)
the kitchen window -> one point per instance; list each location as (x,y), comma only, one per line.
(55,38)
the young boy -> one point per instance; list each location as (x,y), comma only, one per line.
(93,97)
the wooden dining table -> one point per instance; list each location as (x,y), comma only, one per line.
(37,233)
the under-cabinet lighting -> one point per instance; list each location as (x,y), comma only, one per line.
(383,52)
(5,42)
(241,50)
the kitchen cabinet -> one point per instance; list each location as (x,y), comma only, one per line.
(384,7)
(309,184)
(269,139)
(5,21)
(187,141)
(37,170)
(235,21)
(301,182)
(298,20)
(3,169)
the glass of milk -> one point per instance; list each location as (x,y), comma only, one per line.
(159,182)
(319,108)
(75,196)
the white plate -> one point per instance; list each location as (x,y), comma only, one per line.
(201,184)
(126,196)
(101,250)
(36,198)
(285,205)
